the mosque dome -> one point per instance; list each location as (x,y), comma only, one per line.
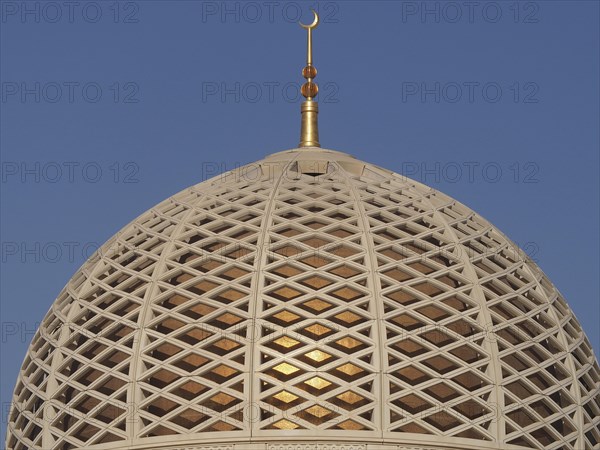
(308,301)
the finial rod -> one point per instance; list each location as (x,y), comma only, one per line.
(309,133)
(309,48)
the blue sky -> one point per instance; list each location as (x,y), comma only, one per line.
(108,108)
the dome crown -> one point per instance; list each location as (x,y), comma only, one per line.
(308,297)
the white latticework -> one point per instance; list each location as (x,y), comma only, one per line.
(308,301)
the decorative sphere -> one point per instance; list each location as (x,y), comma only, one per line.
(310,89)
(309,72)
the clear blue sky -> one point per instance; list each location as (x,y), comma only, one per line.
(108,109)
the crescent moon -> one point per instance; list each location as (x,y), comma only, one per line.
(313,25)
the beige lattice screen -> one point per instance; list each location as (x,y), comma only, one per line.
(277,302)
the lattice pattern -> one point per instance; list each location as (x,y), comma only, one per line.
(315,295)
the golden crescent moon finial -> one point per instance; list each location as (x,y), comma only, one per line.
(313,25)
(309,134)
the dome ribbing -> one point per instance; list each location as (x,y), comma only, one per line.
(308,301)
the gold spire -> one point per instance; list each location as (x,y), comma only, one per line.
(309,133)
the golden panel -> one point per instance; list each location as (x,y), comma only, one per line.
(286,397)
(163,404)
(318,411)
(409,347)
(407,322)
(318,329)
(185,276)
(191,417)
(318,355)
(348,316)
(204,286)
(195,335)
(286,293)
(191,362)
(200,309)
(285,425)
(351,425)
(344,271)
(234,273)
(398,275)
(445,421)
(427,289)
(412,375)
(222,398)
(224,371)
(286,369)
(433,312)
(230,295)
(413,403)
(350,397)
(316,282)
(229,319)
(318,383)
(440,364)
(402,297)
(286,341)
(170,324)
(349,342)
(347,294)
(226,344)
(317,304)
(208,265)
(167,349)
(343,251)
(287,271)
(316,261)
(163,377)
(350,369)
(191,388)
(286,316)
(223,426)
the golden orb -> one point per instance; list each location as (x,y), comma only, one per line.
(310,89)
(309,72)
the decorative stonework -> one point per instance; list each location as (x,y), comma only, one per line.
(316,447)
(204,447)
(312,294)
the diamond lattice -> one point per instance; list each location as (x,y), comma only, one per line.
(356,301)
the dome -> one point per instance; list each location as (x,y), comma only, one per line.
(308,301)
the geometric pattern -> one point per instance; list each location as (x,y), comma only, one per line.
(308,296)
